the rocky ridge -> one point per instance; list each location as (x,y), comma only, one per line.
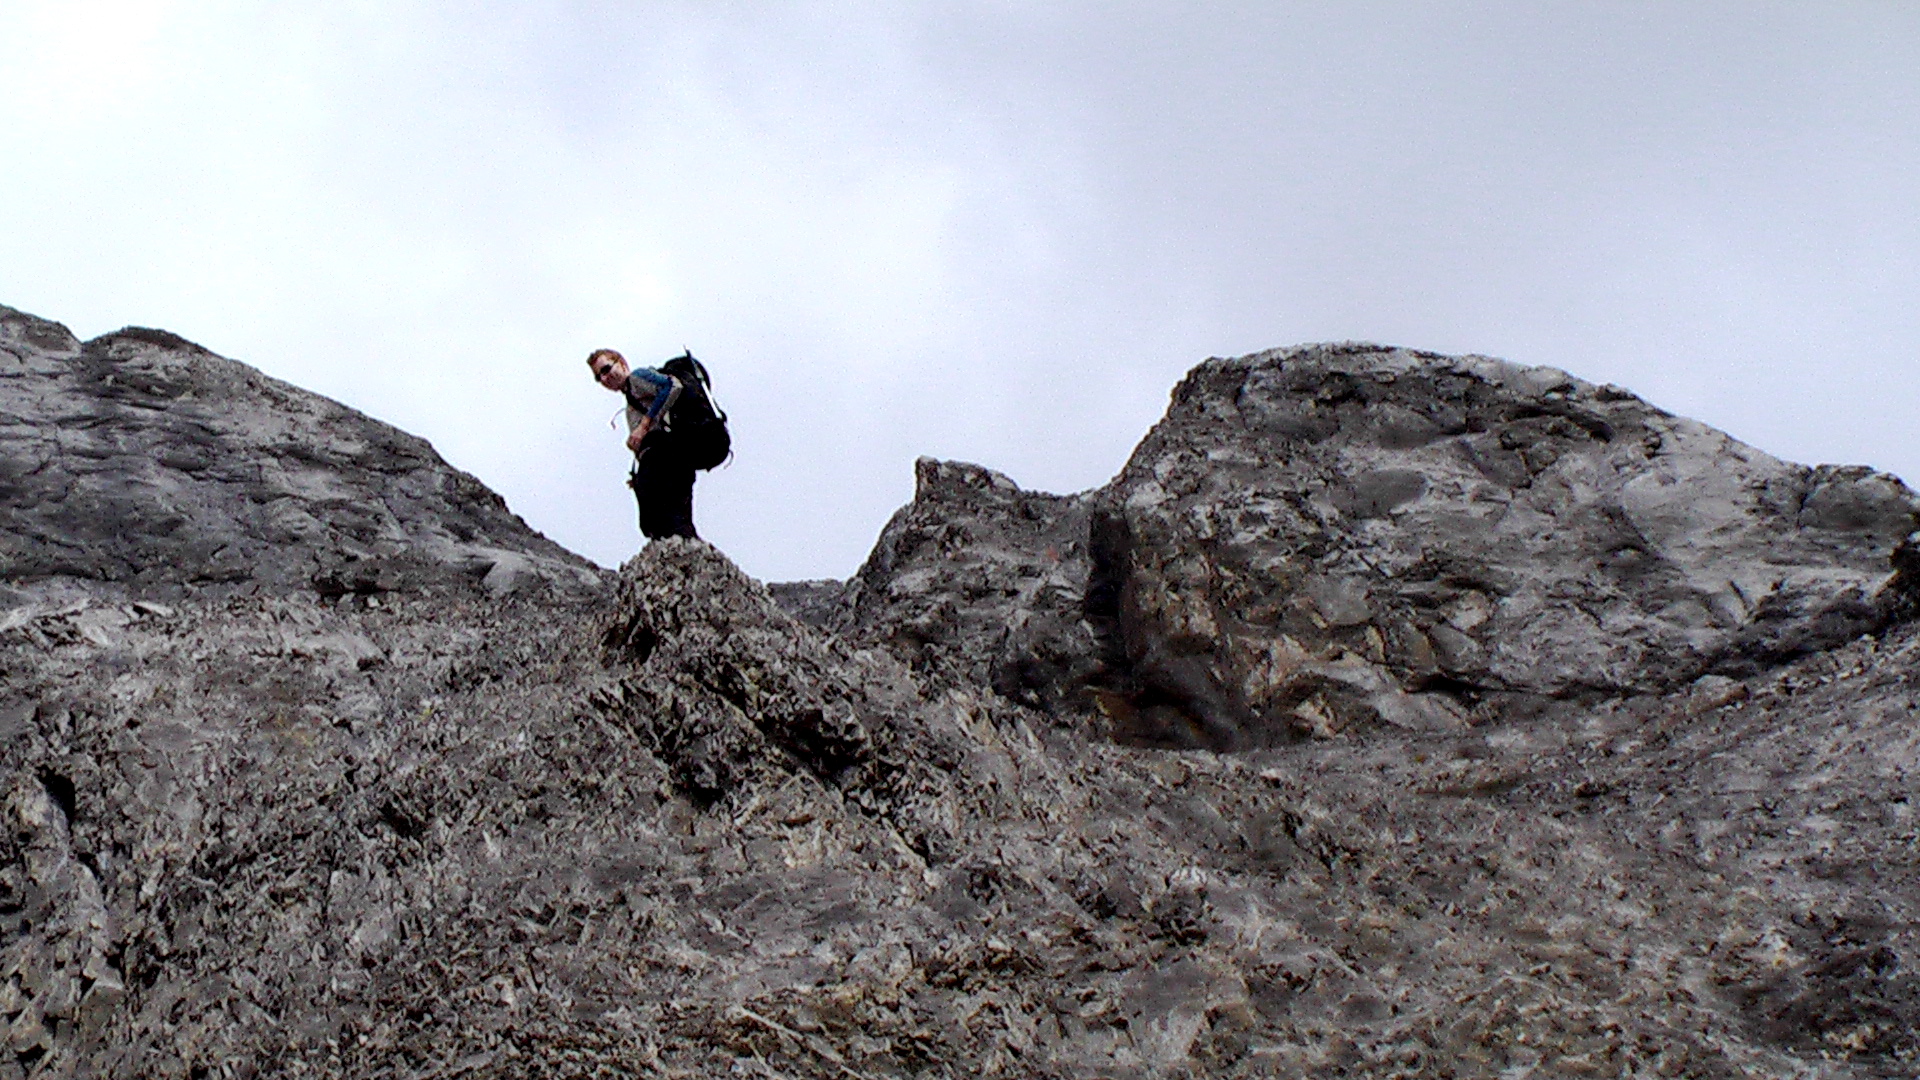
(1336,536)
(916,824)
(142,461)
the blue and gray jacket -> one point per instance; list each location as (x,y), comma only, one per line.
(645,381)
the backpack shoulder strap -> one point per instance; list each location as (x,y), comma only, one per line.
(673,398)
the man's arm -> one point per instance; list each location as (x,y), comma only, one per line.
(642,380)
(639,381)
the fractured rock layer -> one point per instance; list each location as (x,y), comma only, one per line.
(648,834)
(1339,535)
(141,459)
(687,825)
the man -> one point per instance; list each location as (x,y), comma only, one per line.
(662,478)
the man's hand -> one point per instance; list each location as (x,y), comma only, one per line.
(639,433)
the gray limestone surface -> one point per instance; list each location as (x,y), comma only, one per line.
(917,824)
(1336,536)
(145,461)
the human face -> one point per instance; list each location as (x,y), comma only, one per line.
(610,373)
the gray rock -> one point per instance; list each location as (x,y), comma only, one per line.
(143,460)
(982,583)
(1338,536)
(820,603)
(474,824)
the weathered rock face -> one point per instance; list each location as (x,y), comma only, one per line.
(669,828)
(537,842)
(144,460)
(1346,534)
(1324,537)
(982,583)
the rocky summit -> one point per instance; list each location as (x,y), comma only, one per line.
(1388,715)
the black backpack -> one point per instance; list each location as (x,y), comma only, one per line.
(698,426)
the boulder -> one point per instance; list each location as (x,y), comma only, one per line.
(1344,537)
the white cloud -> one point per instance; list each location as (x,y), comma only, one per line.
(992,231)
(80,62)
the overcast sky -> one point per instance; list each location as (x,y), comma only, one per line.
(992,231)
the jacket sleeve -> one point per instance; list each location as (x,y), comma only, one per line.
(646,381)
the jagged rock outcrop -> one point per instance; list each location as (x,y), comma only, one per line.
(980,582)
(144,460)
(1339,535)
(668,828)
(692,837)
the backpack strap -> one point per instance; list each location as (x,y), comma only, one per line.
(673,398)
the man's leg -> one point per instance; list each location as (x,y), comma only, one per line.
(676,499)
(664,489)
(637,483)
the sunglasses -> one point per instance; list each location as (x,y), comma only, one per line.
(601,372)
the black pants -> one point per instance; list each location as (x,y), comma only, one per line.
(662,484)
